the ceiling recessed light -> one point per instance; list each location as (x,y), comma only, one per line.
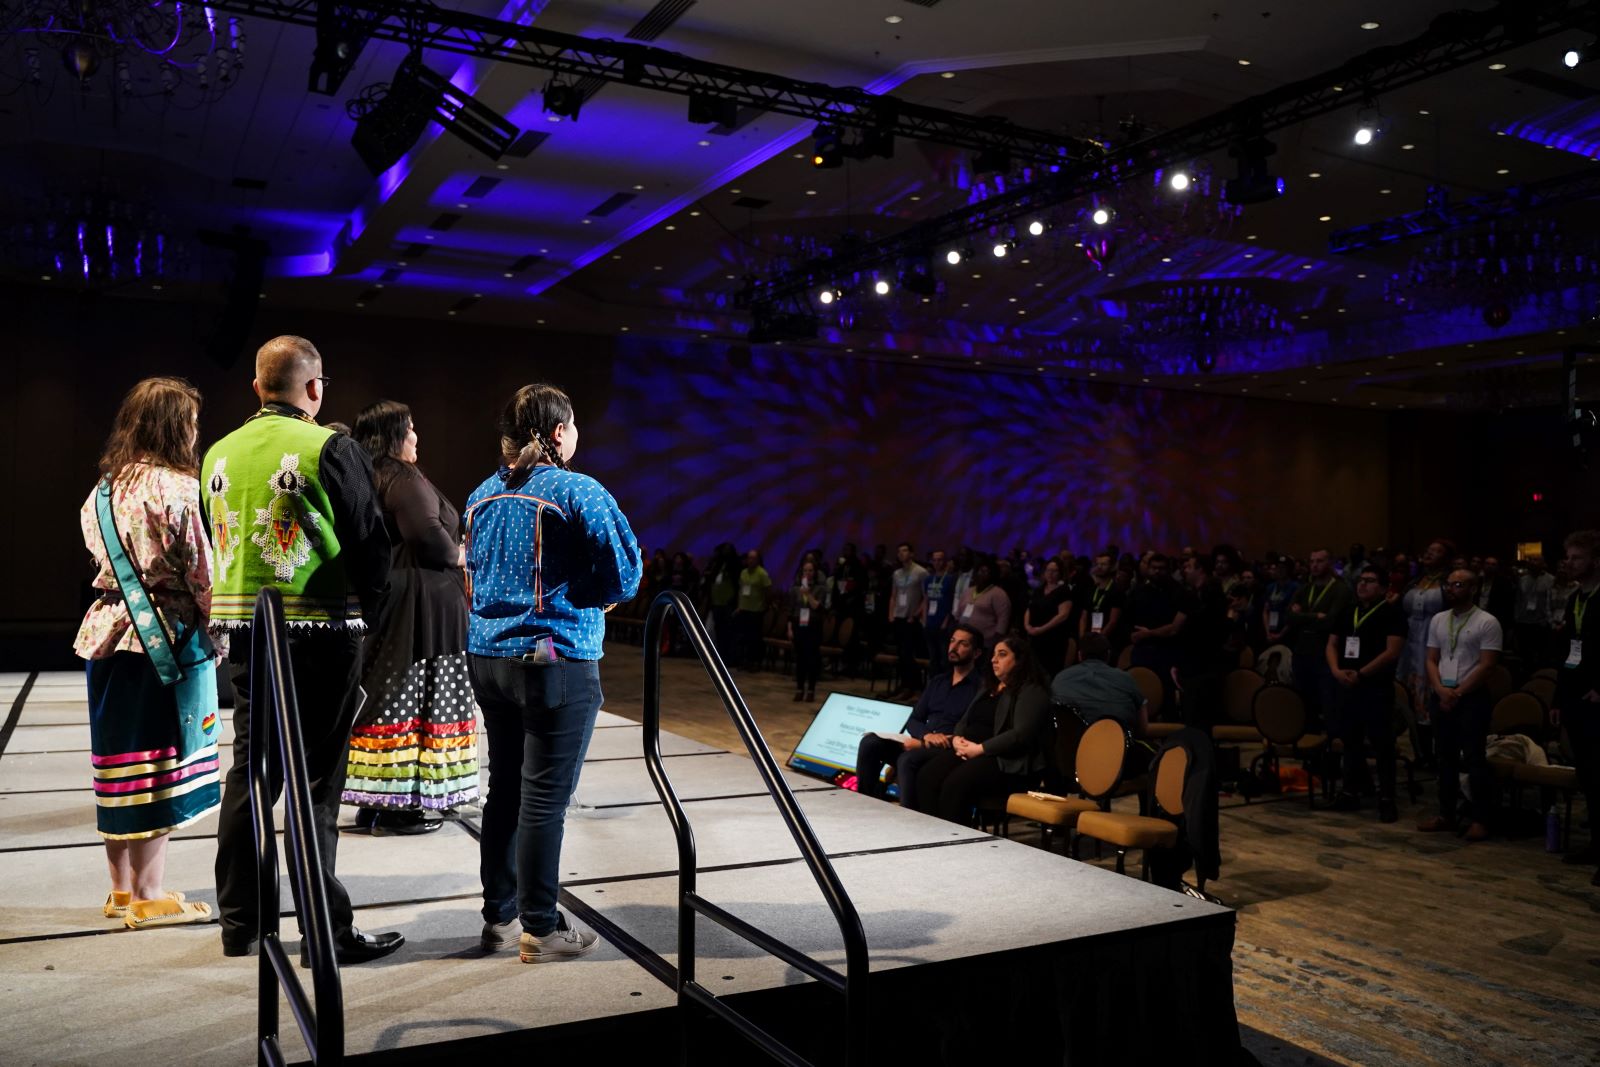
(616,255)
(1324,218)
(798,155)
(638,188)
(1360,275)
(948,74)
(1369,25)
(694,214)
(587,222)
(1244,62)
(670,226)
(1305,266)
(1249,255)
(538,322)
(1503,170)
(1385,192)
(1166,259)
(893,20)
(1314,174)
(703,144)
(658,267)
(1497,66)
(914,196)
(1407,147)
(1250,237)
(508,274)
(624,329)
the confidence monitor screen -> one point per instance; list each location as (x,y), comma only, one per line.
(829,744)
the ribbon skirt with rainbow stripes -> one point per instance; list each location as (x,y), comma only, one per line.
(419,748)
(145,784)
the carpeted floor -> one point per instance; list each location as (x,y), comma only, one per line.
(1358,943)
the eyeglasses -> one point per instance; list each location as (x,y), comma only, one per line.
(324,379)
(1457,585)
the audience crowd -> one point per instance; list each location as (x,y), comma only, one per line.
(1341,628)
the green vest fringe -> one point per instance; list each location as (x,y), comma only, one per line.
(272,524)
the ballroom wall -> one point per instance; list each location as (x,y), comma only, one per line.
(770,448)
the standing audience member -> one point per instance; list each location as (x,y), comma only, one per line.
(905,614)
(1202,642)
(938,600)
(1422,600)
(1312,612)
(1363,648)
(754,585)
(723,578)
(948,695)
(1533,613)
(1155,613)
(1281,590)
(986,607)
(1463,643)
(1576,705)
(999,745)
(414,750)
(805,630)
(1497,593)
(144,520)
(1102,610)
(1049,610)
(548,553)
(290,504)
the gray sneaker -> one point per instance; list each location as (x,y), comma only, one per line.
(567,941)
(497,936)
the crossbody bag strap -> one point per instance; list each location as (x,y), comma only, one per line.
(147,621)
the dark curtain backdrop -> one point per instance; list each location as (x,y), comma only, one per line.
(774,449)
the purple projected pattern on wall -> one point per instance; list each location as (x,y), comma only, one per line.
(803,451)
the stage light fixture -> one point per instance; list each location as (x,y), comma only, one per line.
(1036,228)
(826,152)
(1369,124)
(390,118)
(1101,216)
(881,287)
(953,257)
(1179,181)
(1363,134)
(1255,183)
(562,101)
(1577,57)
(1000,249)
(829,295)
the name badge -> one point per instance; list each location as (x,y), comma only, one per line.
(805,616)
(1352,648)
(1097,621)
(1447,673)
(744,590)
(902,600)
(1532,605)
(872,603)
(1272,620)
(966,612)
(1574,653)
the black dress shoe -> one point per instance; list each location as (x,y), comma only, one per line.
(235,946)
(357,947)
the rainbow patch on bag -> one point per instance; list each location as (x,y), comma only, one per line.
(209,723)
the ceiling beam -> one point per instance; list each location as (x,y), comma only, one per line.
(1443,216)
(422,25)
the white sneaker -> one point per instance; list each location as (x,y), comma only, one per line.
(568,940)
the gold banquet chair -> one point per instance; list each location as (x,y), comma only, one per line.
(1123,831)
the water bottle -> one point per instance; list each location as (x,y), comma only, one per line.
(1552,831)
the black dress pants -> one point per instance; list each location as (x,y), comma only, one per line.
(1461,739)
(950,787)
(327,667)
(1365,713)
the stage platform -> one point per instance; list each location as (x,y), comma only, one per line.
(976,943)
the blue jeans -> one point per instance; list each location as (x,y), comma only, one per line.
(538,719)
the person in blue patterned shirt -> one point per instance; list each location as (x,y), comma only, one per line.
(548,552)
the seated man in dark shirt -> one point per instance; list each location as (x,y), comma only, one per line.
(1100,691)
(939,708)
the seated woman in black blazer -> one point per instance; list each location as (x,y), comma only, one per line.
(999,745)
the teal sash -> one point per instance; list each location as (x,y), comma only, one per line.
(184,660)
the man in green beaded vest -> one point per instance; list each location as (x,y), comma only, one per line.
(290,504)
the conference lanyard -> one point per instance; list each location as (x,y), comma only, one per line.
(1315,596)
(1455,630)
(1580,604)
(1099,596)
(1360,618)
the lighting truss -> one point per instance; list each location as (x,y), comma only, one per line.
(344,27)
(1453,40)
(1443,216)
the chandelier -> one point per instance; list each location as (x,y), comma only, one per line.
(160,51)
(1495,268)
(97,239)
(1202,320)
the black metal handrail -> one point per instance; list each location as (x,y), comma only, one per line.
(275,714)
(853,983)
